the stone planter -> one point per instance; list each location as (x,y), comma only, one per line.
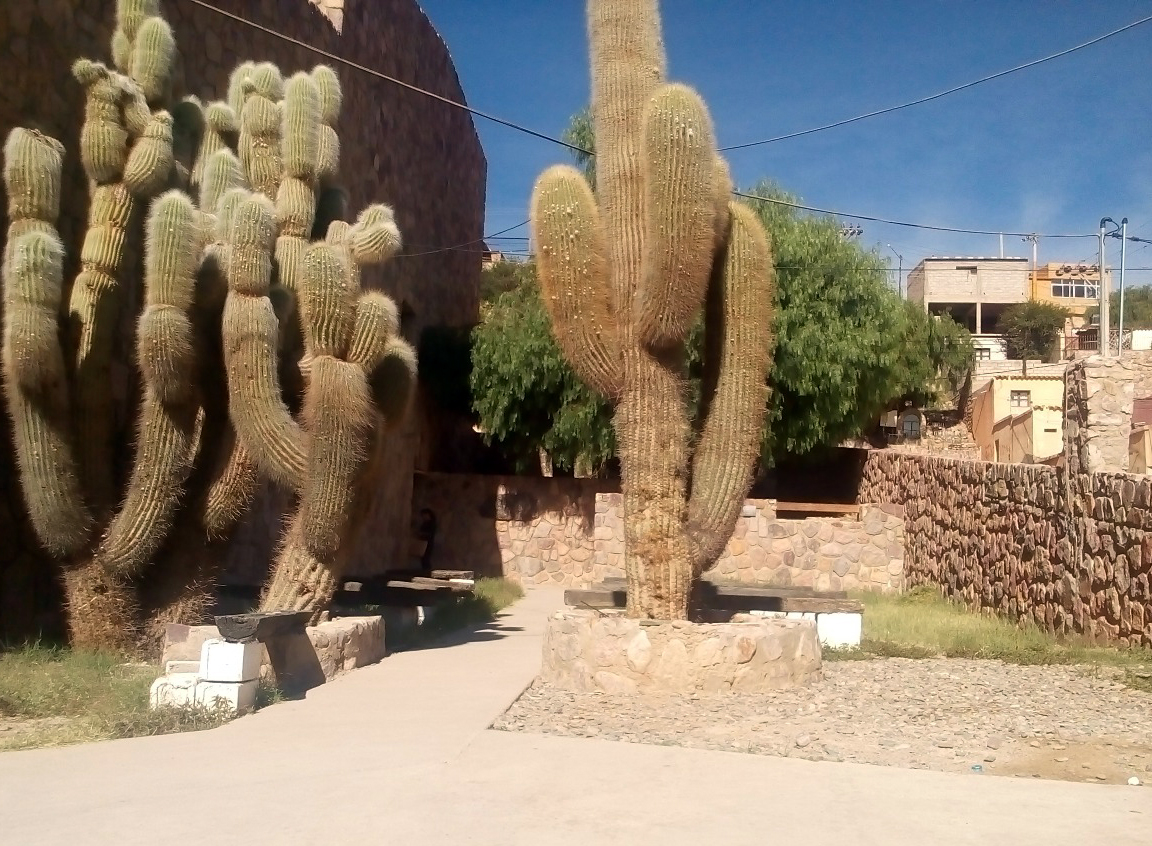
(586,650)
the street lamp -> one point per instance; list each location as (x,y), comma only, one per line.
(899,271)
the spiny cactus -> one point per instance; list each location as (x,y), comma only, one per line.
(222,200)
(624,274)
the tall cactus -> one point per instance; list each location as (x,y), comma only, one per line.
(220,274)
(624,274)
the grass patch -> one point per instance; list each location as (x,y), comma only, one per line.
(488,597)
(922,624)
(56,697)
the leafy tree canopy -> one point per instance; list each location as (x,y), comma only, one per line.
(847,348)
(1137,308)
(1031,329)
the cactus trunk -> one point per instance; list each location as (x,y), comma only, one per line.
(624,275)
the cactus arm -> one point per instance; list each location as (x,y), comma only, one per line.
(168,425)
(296,195)
(231,489)
(153,55)
(341,422)
(331,99)
(263,423)
(220,133)
(260,128)
(574,277)
(103,136)
(679,177)
(150,161)
(739,345)
(36,387)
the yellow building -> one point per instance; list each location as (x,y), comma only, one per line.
(1076,287)
(1018,419)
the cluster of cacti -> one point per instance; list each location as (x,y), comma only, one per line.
(251,287)
(625,272)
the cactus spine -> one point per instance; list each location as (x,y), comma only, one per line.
(625,272)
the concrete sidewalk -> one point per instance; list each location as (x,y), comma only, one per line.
(401,753)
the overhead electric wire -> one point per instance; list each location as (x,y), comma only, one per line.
(577,149)
(446,100)
(939,94)
(885,220)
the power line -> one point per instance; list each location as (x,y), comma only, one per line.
(875,219)
(384,76)
(940,94)
(460,246)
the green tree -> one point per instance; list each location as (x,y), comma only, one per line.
(580,134)
(526,395)
(1137,308)
(1031,330)
(504,276)
(847,349)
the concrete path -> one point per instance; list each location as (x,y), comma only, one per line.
(400,753)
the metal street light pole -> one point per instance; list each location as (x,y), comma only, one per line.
(899,271)
(1105,346)
(1123,253)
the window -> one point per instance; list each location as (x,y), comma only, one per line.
(1020,399)
(910,426)
(1076,289)
(983,354)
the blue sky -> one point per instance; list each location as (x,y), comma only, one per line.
(1050,149)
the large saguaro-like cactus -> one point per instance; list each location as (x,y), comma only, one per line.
(625,273)
(221,273)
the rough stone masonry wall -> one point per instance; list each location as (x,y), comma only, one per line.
(822,553)
(420,156)
(1099,394)
(1071,552)
(570,532)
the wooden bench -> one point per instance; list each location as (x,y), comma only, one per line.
(838,619)
(818,509)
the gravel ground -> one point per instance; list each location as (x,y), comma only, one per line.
(1075,723)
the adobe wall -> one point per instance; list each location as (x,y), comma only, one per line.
(420,156)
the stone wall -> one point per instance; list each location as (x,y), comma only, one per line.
(1071,552)
(421,156)
(570,532)
(1099,393)
(822,553)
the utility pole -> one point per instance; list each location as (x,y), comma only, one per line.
(1105,335)
(1035,239)
(899,271)
(1123,254)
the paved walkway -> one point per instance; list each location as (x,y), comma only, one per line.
(400,753)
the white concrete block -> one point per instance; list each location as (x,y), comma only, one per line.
(802,615)
(237,696)
(221,661)
(171,667)
(177,690)
(769,613)
(842,629)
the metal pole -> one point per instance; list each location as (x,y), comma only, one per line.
(1001,245)
(1123,252)
(899,271)
(1105,346)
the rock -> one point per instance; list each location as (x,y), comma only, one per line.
(990,758)
(802,741)
(1134,781)
(994,742)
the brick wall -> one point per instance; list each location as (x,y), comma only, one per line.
(1072,552)
(570,532)
(420,156)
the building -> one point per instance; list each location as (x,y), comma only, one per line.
(973,291)
(1075,287)
(488,256)
(1019,419)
